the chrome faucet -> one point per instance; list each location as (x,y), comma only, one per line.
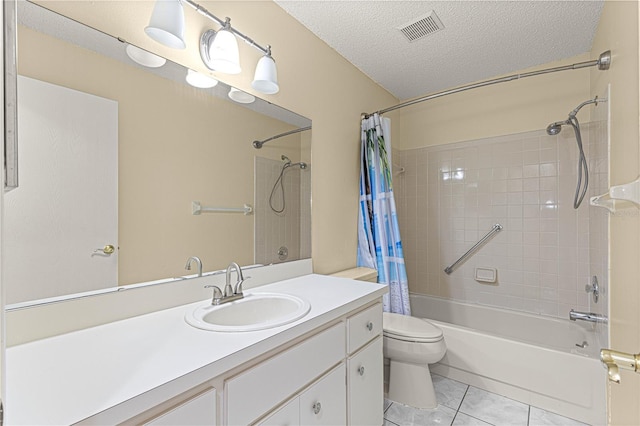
(230,293)
(228,288)
(198,262)
(587,316)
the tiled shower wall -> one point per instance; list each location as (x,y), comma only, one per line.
(291,228)
(450,196)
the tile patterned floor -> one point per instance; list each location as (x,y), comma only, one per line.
(461,404)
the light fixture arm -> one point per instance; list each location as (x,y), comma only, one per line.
(227,25)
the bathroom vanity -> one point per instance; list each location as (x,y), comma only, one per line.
(325,368)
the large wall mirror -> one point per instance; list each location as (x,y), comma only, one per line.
(116,154)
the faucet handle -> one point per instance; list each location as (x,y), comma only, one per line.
(239,285)
(217,294)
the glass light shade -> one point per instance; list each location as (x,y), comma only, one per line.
(240,96)
(167,24)
(200,80)
(143,57)
(223,53)
(265,79)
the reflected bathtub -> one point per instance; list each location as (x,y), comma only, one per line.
(530,358)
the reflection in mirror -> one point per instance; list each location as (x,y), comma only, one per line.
(114,154)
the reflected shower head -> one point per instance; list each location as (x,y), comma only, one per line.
(285,159)
(302,165)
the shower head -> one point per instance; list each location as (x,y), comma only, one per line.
(257,144)
(554,128)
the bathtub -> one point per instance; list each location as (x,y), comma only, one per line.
(529,358)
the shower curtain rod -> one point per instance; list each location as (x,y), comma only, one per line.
(258,144)
(603,62)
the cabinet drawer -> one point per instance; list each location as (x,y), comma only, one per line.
(325,403)
(199,410)
(364,374)
(364,326)
(254,392)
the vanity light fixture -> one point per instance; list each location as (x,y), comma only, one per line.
(144,58)
(218,49)
(240,96)
(167,24)
(200,80)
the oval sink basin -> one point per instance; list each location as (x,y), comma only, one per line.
(256,311)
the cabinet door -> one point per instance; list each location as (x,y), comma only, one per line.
(199,410)
(289,415)
(325,402)
(366,389)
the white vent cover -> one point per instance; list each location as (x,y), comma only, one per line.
(422,26)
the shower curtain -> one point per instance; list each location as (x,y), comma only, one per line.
(379,244)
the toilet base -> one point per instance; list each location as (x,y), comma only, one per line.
(411,384)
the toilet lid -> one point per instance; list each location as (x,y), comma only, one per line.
(405,327)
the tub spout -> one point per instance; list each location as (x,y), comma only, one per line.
(587,316)
(615,360)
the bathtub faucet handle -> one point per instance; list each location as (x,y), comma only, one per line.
(593,288)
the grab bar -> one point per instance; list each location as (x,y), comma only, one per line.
(496,228)
(197,208)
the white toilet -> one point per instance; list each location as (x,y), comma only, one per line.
(411,344)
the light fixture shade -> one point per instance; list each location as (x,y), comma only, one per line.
(200,80)
(167,24)
(265,79)
(144,58)
(240,96)
(223,53)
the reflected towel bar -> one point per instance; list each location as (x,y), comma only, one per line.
(196,209)
(496,228)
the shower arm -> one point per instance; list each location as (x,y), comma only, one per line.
(579,107)
(603,63)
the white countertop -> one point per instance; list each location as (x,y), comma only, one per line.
(67,378)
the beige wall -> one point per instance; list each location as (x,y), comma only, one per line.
(176,145)
(618,31)
(315,82)
(502,109)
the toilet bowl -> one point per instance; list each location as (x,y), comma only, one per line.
(411,344)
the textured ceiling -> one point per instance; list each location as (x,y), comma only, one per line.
(480,39)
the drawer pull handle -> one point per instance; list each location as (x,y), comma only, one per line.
(361,370)
(317,407)
(369,326)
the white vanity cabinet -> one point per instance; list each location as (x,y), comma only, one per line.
(318,371)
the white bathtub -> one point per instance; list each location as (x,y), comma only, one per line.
(529,358)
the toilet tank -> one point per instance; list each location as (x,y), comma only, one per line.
(360,274)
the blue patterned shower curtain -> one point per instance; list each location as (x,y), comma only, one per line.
(379,243)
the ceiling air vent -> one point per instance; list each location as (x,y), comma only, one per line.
(422,26)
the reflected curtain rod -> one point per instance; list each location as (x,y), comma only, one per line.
(603,62)
(258,144)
